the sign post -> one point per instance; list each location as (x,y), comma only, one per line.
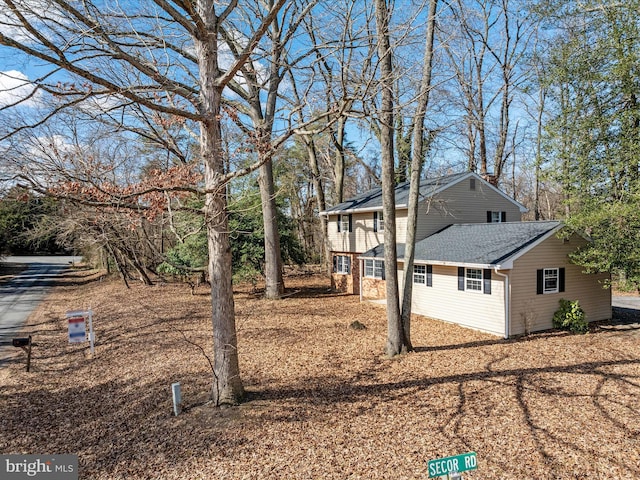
(452,466)
(91,334)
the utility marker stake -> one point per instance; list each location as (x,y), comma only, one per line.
(177,398)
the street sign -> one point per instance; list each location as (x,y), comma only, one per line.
(455,464)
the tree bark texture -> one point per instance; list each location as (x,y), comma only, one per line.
(417,161)
(274,284)
(396,342)
(227,384)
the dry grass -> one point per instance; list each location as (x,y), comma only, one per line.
(322,401)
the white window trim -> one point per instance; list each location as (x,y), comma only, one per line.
(373,266)
(551,271)
(496,217)
(343,264)
(344,223)
(470,283)
(420,277)
(380,221)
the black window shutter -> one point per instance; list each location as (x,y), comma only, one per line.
(540,282)
(350,222)
(375,221)
(503,217)
(561,280)
(429,275)
(460,278)
(486,280)
(348,260)
(335,263)
(383,272)
(489,218)
(339,223)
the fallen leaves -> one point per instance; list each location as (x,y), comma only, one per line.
(322,400)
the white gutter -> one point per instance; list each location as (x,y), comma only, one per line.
(507,302)
(445,264)
(326,213)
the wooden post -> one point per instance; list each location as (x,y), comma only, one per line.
(28,349)
(24,344)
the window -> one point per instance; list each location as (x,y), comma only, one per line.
(420,274)
(378,222)
(496,217)
(344,223)
(423,275)
(374,269)
(550,280)
(342,264)
(472,184)
(473,278)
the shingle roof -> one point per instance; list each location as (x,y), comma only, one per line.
(373,198)
(475,243)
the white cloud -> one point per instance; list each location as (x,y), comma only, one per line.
(15,87)
(13,28)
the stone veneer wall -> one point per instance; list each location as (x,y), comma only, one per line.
(347,283)
(374,288)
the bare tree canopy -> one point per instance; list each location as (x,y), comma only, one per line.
(132,65)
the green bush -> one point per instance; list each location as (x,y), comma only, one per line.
(570,316)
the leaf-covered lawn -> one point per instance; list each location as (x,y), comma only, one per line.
(322,400)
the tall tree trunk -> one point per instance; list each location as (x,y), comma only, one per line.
(538,168)
(403,149)
(482,137)
(274,284)
(396,341)
(320,198)
(417,162)
(227,385)
(340,166)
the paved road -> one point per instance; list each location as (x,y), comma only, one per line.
(626,302)
(20,296)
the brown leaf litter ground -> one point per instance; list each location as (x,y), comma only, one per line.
(322,402)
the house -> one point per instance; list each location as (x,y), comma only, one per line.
(357,225)
(501,278)
(476,263)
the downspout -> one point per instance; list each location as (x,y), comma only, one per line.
(507,302)
(361,263)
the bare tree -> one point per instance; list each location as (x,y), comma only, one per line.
(259,88)
(417,161)
(164,57)
(485,41)
(344,53)
(396,338)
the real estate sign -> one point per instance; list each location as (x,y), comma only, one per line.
(455,464)
(77,326)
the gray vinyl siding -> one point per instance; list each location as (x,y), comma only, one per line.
(460,204)
(456,204)
(531,311)
(443,301)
